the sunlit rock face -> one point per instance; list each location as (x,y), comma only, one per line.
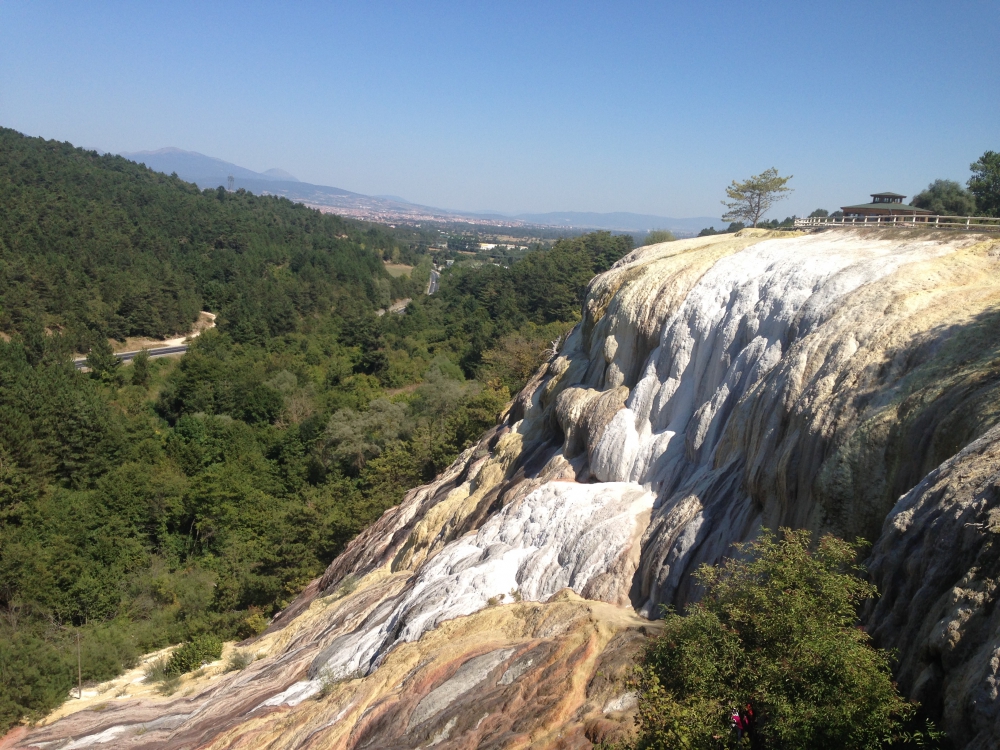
(713,387)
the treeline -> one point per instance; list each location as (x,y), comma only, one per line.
(185,500)
(526,304)
(982,198)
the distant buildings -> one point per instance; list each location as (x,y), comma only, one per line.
(884,204)
(487,246)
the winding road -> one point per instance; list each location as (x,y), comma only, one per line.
(170,346)
(128,356)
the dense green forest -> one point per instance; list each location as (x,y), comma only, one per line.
(192,498)
(97,245)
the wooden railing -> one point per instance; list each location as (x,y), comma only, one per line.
(913,221)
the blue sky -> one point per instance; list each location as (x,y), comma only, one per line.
(535,106)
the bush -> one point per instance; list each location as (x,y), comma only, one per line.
(776,631)
(347,586)
(239,660)
(156,670)
(190,656)
(32,677)
(656,236)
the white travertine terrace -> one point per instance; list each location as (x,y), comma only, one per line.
(731,329)
(562,535)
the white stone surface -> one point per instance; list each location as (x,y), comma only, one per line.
(731,330)
(295,693)
(560,536)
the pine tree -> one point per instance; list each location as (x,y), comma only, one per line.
(102,361)
(140,368)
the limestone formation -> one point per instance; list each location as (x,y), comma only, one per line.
(937,565)
(712,387)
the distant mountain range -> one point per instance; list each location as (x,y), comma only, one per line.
(205,171)
(209,172)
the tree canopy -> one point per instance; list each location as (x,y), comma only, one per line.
(985,183)
(946,198)
(751,199)
(96,246)
(731,229)
(657,236)
(777,632)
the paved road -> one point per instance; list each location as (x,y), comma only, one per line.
(432,284)
(126,356)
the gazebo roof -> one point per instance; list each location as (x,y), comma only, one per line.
(889,207)
(886,195)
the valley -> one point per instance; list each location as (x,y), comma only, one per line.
(712,386)
(478,376)
(194,497)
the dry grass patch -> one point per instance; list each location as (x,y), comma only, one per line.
(398,269)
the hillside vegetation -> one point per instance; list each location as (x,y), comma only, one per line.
(194,498)
(98,245)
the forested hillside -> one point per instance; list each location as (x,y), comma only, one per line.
(193,498)
(98,245)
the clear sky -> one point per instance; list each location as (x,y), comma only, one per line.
(534,106)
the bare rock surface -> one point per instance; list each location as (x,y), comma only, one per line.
(937,565)
(714,386)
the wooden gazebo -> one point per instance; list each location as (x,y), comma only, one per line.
(885,204)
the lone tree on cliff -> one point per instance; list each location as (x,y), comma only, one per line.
(776,632)
(752,198)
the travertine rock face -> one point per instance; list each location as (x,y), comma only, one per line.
(937,565)
(713,386)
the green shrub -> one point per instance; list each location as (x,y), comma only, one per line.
(777,630)
(254,624)
(347,586)
(32,677)
(156,670)
(239,660)
(194,653)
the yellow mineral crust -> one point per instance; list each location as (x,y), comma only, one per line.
(536,684)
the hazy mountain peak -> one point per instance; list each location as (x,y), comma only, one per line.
(166,150)
(281,174)
(205,171)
